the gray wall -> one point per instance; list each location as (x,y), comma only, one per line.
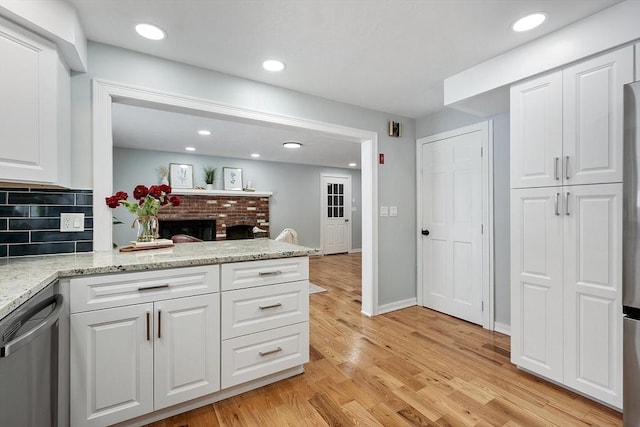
(296,189)
(397,252)
(451,119)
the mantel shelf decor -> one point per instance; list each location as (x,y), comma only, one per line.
(236,193)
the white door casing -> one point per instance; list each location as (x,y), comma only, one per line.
(105,91)
(536,280)
(453,260)
(335,214)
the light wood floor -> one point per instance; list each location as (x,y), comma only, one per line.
(412,367)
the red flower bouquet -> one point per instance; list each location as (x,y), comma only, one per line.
(148,202)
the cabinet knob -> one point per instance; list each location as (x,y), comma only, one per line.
(425,232)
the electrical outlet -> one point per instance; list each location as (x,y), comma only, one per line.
(71,222)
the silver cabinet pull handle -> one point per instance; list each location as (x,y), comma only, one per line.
(269,273)
(151,288)
(566,212)
(566,167)
(159,324)
(557,196)
(148,326)
(555,167)
(266,307)
(266,353)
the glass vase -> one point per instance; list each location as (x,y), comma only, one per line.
(147,228)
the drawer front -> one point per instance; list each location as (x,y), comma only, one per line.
(246,311)
(114,290)
(248,274)
(257,355)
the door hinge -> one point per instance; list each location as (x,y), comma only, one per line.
(481,151)
(482,306)
(481,228)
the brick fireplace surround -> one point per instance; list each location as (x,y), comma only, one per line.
(226,210)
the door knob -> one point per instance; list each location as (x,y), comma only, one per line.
(425,232)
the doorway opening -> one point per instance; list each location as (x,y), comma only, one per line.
(104,93)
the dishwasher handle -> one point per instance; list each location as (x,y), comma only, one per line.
(16,343)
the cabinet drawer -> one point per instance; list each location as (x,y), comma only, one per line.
(264,272)
(246,311)
(114,290)
(253,356)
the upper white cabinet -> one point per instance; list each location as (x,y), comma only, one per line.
(536,132)
(35,109)
(566,126)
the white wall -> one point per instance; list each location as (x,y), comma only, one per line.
(296,189)
(452,119)
(397,252)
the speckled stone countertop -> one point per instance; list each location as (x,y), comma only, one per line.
(21,278)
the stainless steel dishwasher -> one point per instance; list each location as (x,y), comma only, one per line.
(29,360)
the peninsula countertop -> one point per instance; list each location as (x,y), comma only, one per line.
(21,278)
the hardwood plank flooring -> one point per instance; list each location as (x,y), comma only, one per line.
(411,367)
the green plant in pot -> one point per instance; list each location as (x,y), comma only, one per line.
(209,176)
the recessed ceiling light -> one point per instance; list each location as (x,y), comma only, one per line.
(190,148)
(255,155)
(529,22)
(150,32)
(204,132)
(273,65)
(292,144)
(352,164)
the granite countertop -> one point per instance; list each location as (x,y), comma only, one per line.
(21,278)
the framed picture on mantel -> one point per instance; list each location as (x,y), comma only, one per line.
(180,175)
(232,178)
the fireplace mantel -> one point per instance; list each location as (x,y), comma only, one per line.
(231,193)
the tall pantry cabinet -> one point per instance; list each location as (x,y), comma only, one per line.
(566,224)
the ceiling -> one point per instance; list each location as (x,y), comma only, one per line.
(386,55)
(153,129)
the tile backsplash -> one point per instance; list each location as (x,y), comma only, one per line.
(30,221)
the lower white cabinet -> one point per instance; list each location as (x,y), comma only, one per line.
(150,340)
(566,286)
(142,341)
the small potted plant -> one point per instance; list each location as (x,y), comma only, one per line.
(164,175)
(209,176)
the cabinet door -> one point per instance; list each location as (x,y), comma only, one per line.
(187,348)
(111,365)
(28,107)
(536,280)
(536,132)
(593,128)
(592,232)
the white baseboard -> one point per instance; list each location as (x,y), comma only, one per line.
(353,251)
(398,305)
(503,328)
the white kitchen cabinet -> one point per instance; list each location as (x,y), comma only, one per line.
(265,318)
(566,245)
(161,350)
(592,242)
(111,365)
(536,132)
(566,126)
(35,109)
(592,116)
(536,281)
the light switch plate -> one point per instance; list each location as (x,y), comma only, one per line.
(384,210)
(71,222)
(393,211)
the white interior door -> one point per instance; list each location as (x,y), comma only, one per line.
(452,252)
(336,214)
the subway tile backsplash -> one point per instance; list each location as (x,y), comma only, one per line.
(30,221)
